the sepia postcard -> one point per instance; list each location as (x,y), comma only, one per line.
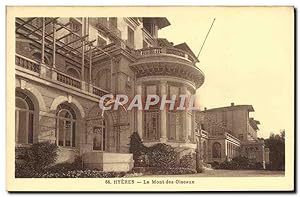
(152,99)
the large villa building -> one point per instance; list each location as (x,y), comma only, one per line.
(228,132)
(63,67)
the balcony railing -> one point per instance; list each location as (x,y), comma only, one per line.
(161,50)
(68,80)
(98,91)
(27,63)
(34,66)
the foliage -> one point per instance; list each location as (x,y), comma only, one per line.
(188,161)
(163,171)
(276,144)
(24,171)
(36,158)
(41,155)
(79,174)
(159,158)
(238,163)
(162,156)
(63,170)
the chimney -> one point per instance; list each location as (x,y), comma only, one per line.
(232,104)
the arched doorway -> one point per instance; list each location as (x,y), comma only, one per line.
(99,136)
(216,150)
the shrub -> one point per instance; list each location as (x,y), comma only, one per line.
(214,164)
(162,156)
(41,155)
(163,171)
(138,150)
(24,171)
(173,171)
(238,163)
(34,159)
(80,174)
(188,161)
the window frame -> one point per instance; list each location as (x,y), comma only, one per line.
(73,126)
(30,116)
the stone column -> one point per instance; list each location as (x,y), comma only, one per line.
(43,69)
(163,114)
(53,69)
(185,117)
(139,114)
(226,148)
(231,150)
(82,56)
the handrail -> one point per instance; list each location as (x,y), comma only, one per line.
(99,92)
(33,65)
(64,78)
(165,50)
(27,63)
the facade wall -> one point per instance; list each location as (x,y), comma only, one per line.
(234,121)
(60,82)
(241,138)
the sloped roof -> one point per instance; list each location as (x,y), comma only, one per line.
(248,107)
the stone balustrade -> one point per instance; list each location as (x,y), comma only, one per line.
(35,66)
(27,63)
(162,50)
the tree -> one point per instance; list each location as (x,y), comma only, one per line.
(136,147)
(276,144)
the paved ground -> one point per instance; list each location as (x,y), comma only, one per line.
(230,173)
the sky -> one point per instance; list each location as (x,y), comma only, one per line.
(247,59)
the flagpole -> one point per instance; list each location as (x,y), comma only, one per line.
(206,37)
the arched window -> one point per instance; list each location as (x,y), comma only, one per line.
(37,56)
(99,134)
(216,150)
(251,153)
(24,119)
(73,73)
(66,126)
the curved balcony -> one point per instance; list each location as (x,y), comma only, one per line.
(159,61)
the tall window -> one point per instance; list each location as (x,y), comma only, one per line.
(113,22)
(151,116)
(251,153)
(66,126)
(99,137)
(73,73)
(189,122)
(130,37)
(75,27)
(241,137)
(151,125)
(216,150)
(24,119)
(174,117)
